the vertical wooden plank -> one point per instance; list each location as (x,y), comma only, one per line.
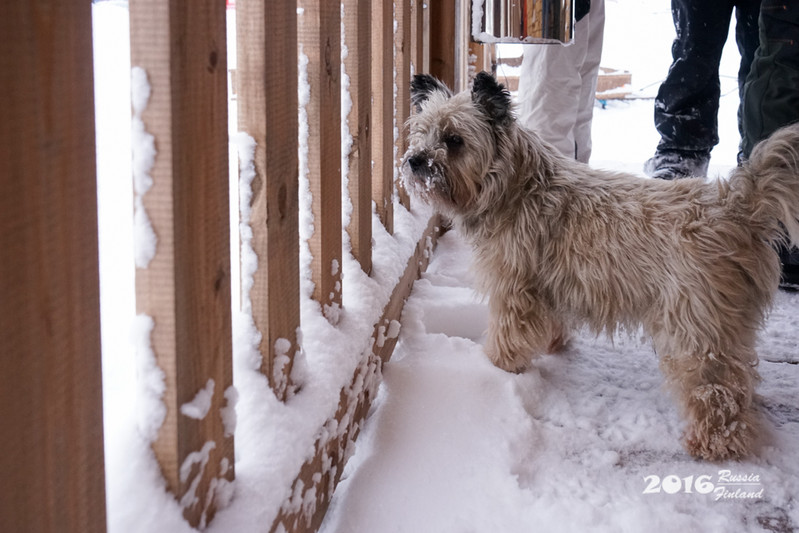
(426,36)
(267,111)
(358,64)
(462,37)
(484,59)
(382,111)
(442,40)
(320,37)
(186,286)
(402,66)
(51,445)
(417,36)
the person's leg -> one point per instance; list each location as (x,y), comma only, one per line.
(686,106)
(550,87)
(588,74)
(771,91)
(771,96)
(747,38)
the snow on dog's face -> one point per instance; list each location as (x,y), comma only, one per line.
(452,140)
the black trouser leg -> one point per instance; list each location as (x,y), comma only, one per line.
(687,103)
(747,38)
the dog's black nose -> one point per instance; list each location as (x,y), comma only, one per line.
(416,162)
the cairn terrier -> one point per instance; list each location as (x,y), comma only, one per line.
(559,244)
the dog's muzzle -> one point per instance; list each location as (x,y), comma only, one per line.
(424,174)
(418,163)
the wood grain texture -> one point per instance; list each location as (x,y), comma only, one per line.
(383,111)
(358,64)
(51,445)
(267,111)
(417,36)
(442,40)
(186,287)
(320,39)
(402,104)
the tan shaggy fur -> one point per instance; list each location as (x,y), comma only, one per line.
(559,244)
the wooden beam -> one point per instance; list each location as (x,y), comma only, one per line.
(185,287)
(358,64)
(382,111)
(442,41)
(313,488)
(320,38)
(402,66)
(50,386)
(426,37)
(267,111)
(485,59)
(417,36)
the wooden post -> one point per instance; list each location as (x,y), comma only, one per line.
(50,386)
(320,37)
(417,36)
(185,288)
(382,110)
(358,64)
(426,37)
(402,65)
(267,111)
(485,59)
(442,41)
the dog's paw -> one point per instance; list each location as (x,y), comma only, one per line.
(732,441)
(509,363)
(720,428)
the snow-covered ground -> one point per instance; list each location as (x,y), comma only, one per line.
(453,444)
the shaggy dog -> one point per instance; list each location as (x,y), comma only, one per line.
(559,244)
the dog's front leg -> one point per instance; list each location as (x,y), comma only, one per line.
(517,332)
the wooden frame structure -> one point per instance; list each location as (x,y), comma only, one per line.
(50,389)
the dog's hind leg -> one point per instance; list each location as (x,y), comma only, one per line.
(517,333)
(715,391)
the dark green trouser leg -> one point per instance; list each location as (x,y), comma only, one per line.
(771,92)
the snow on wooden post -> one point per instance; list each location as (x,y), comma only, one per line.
(402,66)
(267,111)
(382,110)
(357,38)
(183,272)
(51,446)
(320,40)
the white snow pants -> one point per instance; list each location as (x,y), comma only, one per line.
(557,86)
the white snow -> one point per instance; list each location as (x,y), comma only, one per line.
(452,444)
(143,155)
(150,410)
(228,413)
(199,406)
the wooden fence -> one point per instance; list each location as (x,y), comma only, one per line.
(50,384)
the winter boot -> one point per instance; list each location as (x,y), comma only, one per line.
(789,259)
(676,164)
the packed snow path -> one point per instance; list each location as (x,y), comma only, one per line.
(587,440)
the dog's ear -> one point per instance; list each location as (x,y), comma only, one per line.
(492,97)
(422,86)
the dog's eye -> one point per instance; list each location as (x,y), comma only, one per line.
(453,141)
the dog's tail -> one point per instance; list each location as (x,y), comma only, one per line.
(769,184)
